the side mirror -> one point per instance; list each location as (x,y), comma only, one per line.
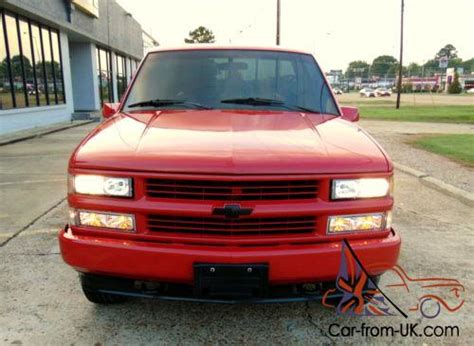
(110,109)
(350,114)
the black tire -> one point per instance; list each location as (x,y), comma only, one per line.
(97,297)
(91,285)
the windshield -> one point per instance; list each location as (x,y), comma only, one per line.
(206,78)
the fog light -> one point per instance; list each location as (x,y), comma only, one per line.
(354,223)
(122,222)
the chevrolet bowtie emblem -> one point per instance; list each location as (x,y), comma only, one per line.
(232,211)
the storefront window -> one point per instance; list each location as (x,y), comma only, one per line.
(6,101)
(121,75)
(104,74)
(31,68)
(28,63)
(39,64)
(50,95)
(15,61)
(57,67)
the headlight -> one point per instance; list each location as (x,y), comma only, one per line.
(124,222)
(360,188)
(100,185)
(354,223)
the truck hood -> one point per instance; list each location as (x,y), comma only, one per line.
(230,142)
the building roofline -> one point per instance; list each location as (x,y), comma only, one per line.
(150,36)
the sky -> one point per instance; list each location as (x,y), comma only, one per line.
(335,31)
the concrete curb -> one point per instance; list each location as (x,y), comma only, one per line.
(437,184)
(39,133)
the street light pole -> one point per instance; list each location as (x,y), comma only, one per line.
(278,24)
(400,68)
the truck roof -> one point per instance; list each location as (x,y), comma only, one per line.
(204,46)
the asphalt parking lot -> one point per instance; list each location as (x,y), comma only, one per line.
(41,301)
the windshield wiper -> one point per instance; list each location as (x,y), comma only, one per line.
(257,101)
(254,101)
(167,102)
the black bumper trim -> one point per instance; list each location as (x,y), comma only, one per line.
(182,292)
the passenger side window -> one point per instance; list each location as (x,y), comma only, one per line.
(327,103)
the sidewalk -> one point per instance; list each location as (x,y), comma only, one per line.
(393,136)
(41,131)
(33,177)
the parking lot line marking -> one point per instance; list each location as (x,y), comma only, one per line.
(32,222)
(40,231)
(32,232)
(32,181)
(34,156)
(6,235)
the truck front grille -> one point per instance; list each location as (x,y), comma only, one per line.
(232,190)
(232,227)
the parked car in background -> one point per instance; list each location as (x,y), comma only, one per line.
(382,92)
(31,89)
(205,185)
(367,92)
(337,91)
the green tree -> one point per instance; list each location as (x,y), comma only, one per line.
(414,69)
(48,65)
(455,62)
(393,71)
(448,51)
(468,66)
(382,65)
(200,35)
(357,68)
(431,67)
(3,68)
(455,87)
(15,63)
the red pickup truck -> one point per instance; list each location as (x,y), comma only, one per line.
(226,174)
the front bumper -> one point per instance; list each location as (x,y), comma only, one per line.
(173,263)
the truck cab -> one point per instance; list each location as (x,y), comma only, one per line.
(226,174)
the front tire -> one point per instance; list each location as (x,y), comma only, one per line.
(97,297)
(94,295)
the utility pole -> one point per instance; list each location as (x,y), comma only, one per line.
(278,24)
(400,68)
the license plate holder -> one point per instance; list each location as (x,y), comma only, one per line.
(230,280)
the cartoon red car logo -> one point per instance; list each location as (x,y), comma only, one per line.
(355,293)
(432,294)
